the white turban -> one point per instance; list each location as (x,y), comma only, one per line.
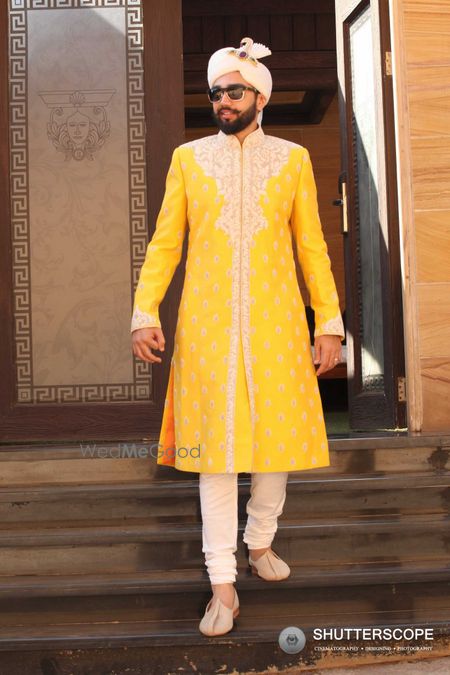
(243,59)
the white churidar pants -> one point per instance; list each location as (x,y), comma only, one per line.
(219,508)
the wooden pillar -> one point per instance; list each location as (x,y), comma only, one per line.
(164,103)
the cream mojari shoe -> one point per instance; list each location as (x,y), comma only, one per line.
(219,619)
(269,566)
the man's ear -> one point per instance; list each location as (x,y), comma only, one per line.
(261,101)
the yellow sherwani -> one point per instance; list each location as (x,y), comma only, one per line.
(242,393)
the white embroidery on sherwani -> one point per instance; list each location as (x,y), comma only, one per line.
(241,174)
(220,159)
(221,156)
(142,319)
(334,326)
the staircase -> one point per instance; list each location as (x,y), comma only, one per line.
(99,554)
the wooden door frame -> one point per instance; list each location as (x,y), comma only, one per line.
(164,112)
(390,260)
(406,213)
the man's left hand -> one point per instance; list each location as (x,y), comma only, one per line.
(327,352)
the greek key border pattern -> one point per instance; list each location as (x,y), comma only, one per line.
(140,389)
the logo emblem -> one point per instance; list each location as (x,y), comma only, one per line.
(292,640)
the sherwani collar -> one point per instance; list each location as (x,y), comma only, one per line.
(254,138)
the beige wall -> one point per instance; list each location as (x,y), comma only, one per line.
(322,140)
(421,51)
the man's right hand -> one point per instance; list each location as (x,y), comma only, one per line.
(146,339)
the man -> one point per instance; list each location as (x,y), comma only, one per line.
(242,393)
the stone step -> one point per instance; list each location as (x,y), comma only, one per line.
(156,543)
(96,462)
(196,580)
(305,499)
(170,620)
(80,463)
(101,552)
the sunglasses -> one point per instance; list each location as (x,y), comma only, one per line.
(235,92)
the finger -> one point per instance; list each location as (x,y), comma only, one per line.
(148,352)
(317,353)
(144,352)
(143,357)
(323,365)
(323,369)
(329,361)
(334,359)
(326,357)
(146,346)
(150,342)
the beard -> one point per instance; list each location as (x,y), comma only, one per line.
(241,122)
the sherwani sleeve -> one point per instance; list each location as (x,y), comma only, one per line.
(163,251)
(312,253)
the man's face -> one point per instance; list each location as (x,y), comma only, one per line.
(234,116)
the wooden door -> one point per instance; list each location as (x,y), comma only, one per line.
(87,129)
(368,191)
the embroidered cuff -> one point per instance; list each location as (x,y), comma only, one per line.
(144,320)
(334,326)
